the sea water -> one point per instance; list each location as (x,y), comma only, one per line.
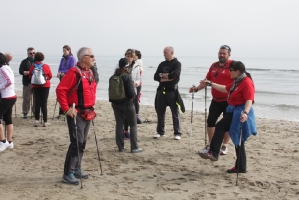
(275,79)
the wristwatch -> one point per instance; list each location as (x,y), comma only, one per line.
(244,112)
(161,75)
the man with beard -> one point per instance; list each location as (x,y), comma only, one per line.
(218,73)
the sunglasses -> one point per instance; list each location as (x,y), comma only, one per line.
(91,56)
(32,53)
(225,47)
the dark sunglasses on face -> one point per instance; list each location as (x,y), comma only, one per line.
(91,56)
(32,53)
(225,47)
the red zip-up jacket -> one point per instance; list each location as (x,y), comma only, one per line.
(83,95)
(47,72)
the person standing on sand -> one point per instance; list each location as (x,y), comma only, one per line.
(125,107)
(7,99)
(41,92)
(168,76)
(26,81)
(66,63)
(240,100)
(218,73)
(78,86)
(139,63)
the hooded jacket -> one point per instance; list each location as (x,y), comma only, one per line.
(25,66)
(173,67)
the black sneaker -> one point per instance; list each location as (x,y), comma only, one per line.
(234,170)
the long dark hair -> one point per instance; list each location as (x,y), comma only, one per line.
(238,65)
(3,60)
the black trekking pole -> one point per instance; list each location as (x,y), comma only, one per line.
(95,137)
(206,91)
(239,156)
(191,116)
(54,110)
(31,102)
(76,131)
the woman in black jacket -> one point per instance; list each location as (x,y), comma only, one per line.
(125,108)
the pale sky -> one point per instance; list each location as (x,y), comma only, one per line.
(255,28)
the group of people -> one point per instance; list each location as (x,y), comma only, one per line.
(232,95)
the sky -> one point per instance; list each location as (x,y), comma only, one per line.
(255,28)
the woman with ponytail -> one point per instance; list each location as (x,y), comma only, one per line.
(239,114)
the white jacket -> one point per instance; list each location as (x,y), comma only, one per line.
(135,73)
(7,82)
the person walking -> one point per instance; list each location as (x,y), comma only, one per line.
(66,63)
(78,86)
(28,95)
(168,76)
(41,92)
(7,99)
(218,73)
(124,108)
(239,110)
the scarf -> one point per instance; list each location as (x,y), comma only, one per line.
(236,83)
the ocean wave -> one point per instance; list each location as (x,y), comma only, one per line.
(276,93)
(273,70)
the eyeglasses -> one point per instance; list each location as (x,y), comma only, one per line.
(91,56)
(225,47)
(232,70)
(32,53)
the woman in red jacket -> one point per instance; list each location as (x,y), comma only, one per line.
(41,92)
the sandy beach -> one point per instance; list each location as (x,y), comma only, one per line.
(167,169)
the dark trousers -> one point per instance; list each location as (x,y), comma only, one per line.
(164,100)
(215,110)
(221,127)
(136,104)
(72,159)
(121,113)
(41,100)
(6,110)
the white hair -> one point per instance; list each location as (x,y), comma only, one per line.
(82,51)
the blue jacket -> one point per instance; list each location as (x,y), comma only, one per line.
(66,64)
(248,127)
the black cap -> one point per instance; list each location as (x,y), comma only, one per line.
(123,63)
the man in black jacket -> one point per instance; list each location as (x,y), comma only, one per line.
(27,89)
(168,76)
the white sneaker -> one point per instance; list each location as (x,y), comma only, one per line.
(47,124)
(3,146)
(158,135)
(223,150)
(205,150)
(177,137)
(36,123)
(10,145)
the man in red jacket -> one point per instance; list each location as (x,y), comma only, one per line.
(218,73)
(78,86)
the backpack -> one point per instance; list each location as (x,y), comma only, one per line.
(38,75)
(116,88)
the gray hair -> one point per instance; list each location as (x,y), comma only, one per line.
(170,48)
(83,51)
